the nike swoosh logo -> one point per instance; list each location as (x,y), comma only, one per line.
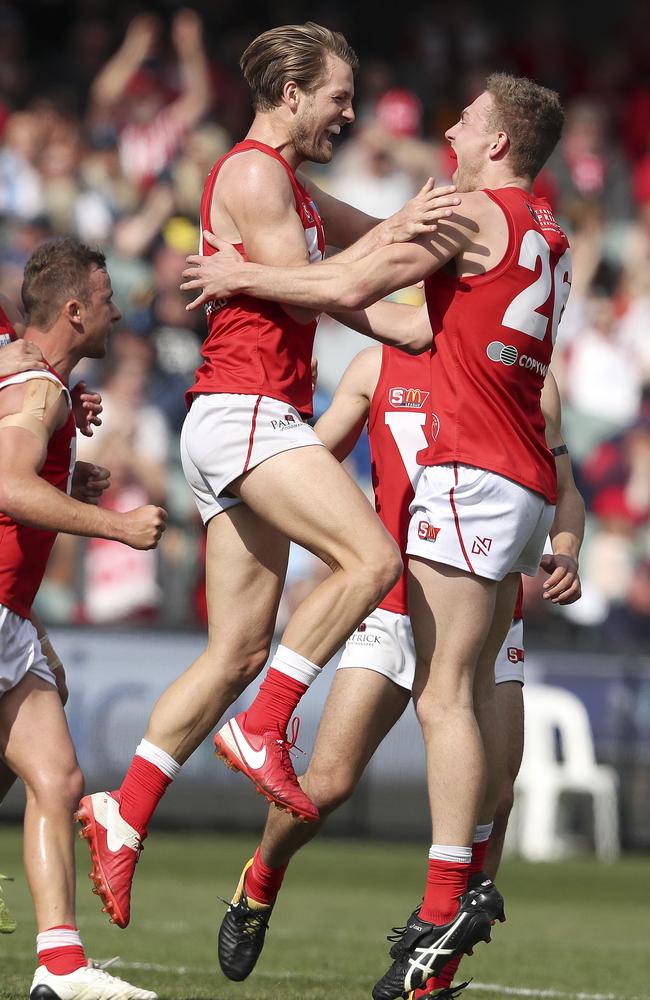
(254,758)
(113,841)
(119,833)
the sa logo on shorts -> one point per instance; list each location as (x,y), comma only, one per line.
(427,531)
(515,655)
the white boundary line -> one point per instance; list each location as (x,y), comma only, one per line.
(513,991)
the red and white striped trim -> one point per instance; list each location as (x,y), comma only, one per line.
(456,520)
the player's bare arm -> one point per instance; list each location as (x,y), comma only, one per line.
(567,530)
(346,226)
(393,323)
(30,413)
(473,236)
(254,204)
(344,419)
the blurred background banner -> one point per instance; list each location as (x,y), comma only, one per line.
(111,115)
(115,677)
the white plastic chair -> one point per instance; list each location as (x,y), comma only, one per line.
(552,712)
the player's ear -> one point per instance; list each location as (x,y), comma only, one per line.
(72,311)
(499,146)
(291,94)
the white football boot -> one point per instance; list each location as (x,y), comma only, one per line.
(87,983)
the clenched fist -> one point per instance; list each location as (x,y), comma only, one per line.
(141,528)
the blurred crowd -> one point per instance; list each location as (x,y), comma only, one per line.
(111,116)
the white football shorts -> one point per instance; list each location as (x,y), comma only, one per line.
(477,521)
(20,651)
(384,643)
(226,434)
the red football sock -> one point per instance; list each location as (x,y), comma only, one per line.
(142,789)
(263,883)
(446,881)
(276,700)
(446,977)
(58,955)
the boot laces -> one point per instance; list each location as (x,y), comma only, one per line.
(286,746)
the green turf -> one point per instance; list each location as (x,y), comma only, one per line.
(577,927)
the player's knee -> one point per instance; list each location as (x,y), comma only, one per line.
(329,790)
(246,666)
(435,707)
(58,789)
(383,570)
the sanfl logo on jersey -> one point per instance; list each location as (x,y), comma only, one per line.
(410,399)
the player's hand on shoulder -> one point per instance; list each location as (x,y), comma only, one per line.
(142,527)
(423,212)
(86,407)
(216,275)
(21,356)
(563,584)
(89,482)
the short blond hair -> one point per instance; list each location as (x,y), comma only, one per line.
(530,115)
(295,52)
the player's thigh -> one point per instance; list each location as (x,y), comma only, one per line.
(245,567)
(307,495)
(451,613)
(510,709)
(504,605)
(361,708)
(34,737)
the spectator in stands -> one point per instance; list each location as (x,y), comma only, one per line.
(128,96)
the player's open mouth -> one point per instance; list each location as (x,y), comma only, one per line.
(331,132)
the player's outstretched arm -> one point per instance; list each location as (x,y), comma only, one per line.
(331,285)
(326,287)
(347,227)
(341,424)
(31,500)
(567,530)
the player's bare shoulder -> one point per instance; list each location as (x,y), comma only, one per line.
(253,180)
(485,228)
(362,374)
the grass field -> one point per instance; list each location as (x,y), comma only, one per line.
(575,929)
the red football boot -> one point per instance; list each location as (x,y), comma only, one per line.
(114,850)
(264,758)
